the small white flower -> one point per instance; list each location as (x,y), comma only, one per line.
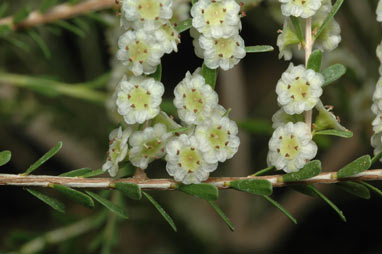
(168,38)
(140,51)
(218,138)
(216,18)
(299,89)
(185,160)
(281,118)
(195,42)
(148,145)
(286,39)
(377,98)
(146,14)
(181,12)
(194,99)
(376,143)
(379,55)
(291,147)
(139,98)
(224,52)
(377,123)
(300,8)
(117,150)
(379,11)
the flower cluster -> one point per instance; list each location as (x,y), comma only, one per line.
(206,136)
(318,10)
(376,108)
(216,25)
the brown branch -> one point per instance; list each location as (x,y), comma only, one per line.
(62,11)
(170,184)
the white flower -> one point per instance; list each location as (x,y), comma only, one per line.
(146,14)
(379,55)
(168,38)
(299,89)
(216,18)
(181,11)
(194,99)
(195,42)
(376,142)
(139,98)
(148,145)
(224,52)
(379,11)
(330,37)
(285,41)
(218,138)
(281,118)
(185,160)
(291,147)
(300,8)
(377,98)
(377,123)
(117,150)
(140,51)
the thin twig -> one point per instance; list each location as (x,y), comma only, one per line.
(62,11)
(170,184)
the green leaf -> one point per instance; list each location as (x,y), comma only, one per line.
(70,27)
(3,9)
(253,186)
(161,211)
(5,30)
(332,73)
(372,187)
(331,14)
(304,189)
(40,42)
(334,132)
(311,169)
(209,75)
(52,202)
(75,195)
(5,157)
(330,203)
(131,190)
(17,43)
(44,158)
(256,126)
(77,172)
(184,25)
(157,75)
(314,61)
(222,215)
(21,15)
(109,205)
(96,172)
(297,27)
(203,190)
(355,189)
(376,158)
(282,209)
(258,49)
(357,166)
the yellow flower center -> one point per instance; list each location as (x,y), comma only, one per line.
(299,89)
(149,9)
(194,101)
(218,137)
(151,148)
(215,14)
(190,159)
(225,47)
(138,51)
(290,147)
(139,98)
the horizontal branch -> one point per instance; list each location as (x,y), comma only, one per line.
(169,184)
(62,11)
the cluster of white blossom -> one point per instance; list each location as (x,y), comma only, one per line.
(376,108)
(207,136)
(317,10)
(216,25)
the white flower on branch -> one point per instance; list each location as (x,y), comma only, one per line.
(185,160)
(218,138)
(148,145)
(140,51)
(377,98)
(117,150)
(376,143)
(379,11)
(224,52)
(194,99)
(299,89)
(180,11)
(139,98)
(300,8)
(285,40)
(216,18)
(146,14)
(168,38)
(291,147)
(281,118)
